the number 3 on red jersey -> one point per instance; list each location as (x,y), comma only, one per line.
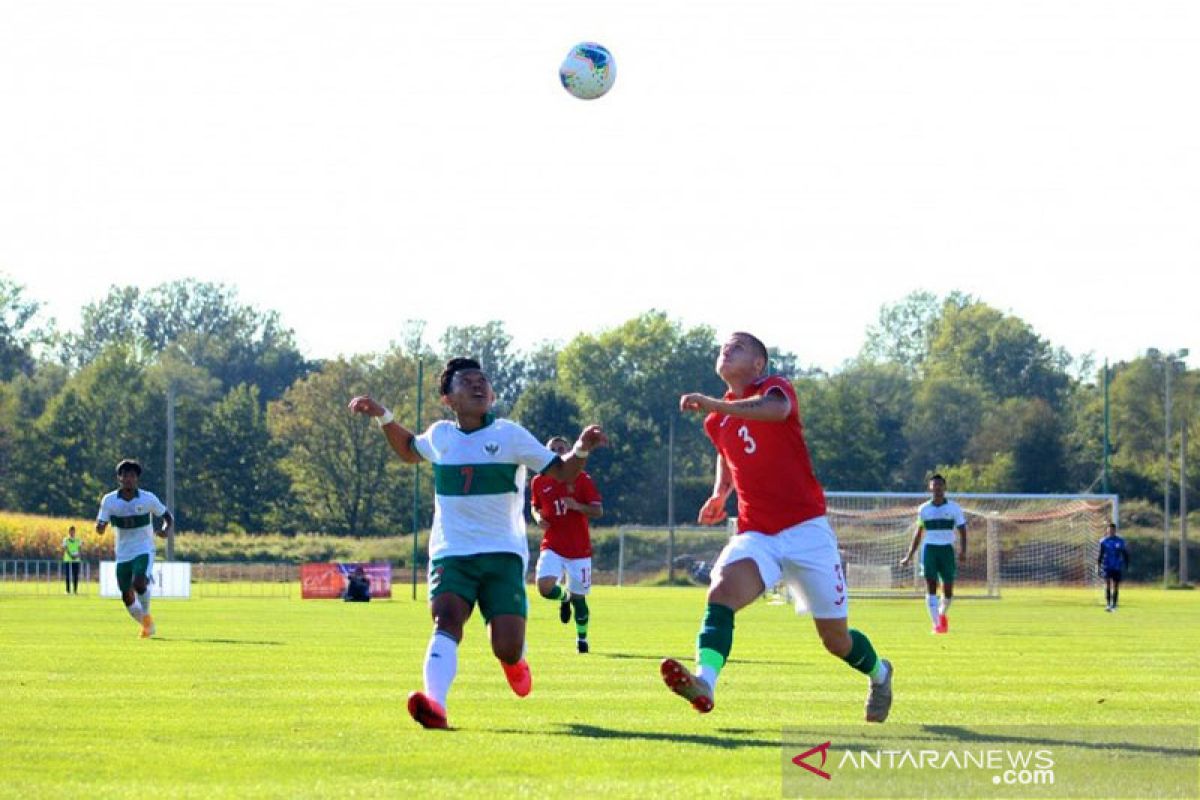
(751,445)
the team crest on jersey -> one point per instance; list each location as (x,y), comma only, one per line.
(491,448)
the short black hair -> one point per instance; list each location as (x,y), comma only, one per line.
(129,465)
(760,349)
(937,476)
(453,366)
(557,438)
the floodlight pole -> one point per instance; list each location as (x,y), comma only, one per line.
(1168,362)
(1107,419)
(417,478)
(1183,508)
(671,501)
(170,468)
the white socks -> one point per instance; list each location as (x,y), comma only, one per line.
(946,604)
(441,665)
(708,675)
(144,600)
(931,600)
(135,611)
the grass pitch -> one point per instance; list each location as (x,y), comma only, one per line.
(290,698)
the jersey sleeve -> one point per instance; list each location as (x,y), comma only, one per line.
(585,489)
(102,515)
(778,383)
(960,518)
(529,451)
(535,494)
(157,506)
(425,445)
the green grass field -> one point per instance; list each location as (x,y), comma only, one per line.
(290,698)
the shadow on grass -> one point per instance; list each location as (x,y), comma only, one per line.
(733,661)
(596,732)
(257,642)
(967,735)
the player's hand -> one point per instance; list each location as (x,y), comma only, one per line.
(695,402)
(713,511)
(904,562)
(543,523)
(572,504)
(363,404)
(591,438)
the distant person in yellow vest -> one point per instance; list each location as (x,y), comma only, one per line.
(72,558)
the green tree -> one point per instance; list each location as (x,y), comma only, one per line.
(629,379)
(491,345)
(545,410)
(945,416)
(904,332)
(845,440)
(19,334)
(343,474)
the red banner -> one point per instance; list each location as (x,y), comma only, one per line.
(328,581)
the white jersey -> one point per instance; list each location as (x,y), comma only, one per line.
(479,486)
(940,522)
(134,527)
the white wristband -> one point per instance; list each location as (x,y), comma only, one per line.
(579,451)
(385,418)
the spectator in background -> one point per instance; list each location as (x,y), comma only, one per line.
(358,588)
(72,558)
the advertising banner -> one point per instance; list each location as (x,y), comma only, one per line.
(328,581)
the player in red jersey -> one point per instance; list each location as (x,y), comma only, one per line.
(782,529)
(563,510)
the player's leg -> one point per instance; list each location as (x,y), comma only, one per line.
(746,566)
(549,572)
(141,588)
(579,582)
(75,566)
(931,595)
(947,596)
(453,586)
(504,606)
(813,569)
(128,597)
(1116,590)
(1108,587)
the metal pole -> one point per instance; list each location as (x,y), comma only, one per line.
(1107,440)
(1167,472)
(1183,508)
(170,477)
(671,500)
(417,479)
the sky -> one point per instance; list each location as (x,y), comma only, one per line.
(781,167)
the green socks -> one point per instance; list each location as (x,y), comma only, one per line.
(715,640)
(580,607)
(862,654)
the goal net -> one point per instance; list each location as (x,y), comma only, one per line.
(1012,540)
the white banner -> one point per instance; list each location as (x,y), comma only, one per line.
(171,579)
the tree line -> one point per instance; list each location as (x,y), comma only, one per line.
(264,442)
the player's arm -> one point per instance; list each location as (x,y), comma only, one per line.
(567,468)
(774,406)
(962,542)
(912,546)
(1125,556)
(167,523)
(590,510)
(713,510)
(399,438)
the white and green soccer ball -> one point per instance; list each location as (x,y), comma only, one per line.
(588,71)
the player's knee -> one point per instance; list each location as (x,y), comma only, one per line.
(507,651)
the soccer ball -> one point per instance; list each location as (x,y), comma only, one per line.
(588,71)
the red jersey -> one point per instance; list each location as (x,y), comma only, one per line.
(772,472)
(568,534)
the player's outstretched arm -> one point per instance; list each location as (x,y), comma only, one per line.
(399,437)
(568,468)
(774,406)
(912,546)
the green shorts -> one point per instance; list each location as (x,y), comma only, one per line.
(496,581)
(938,563)
(127,570)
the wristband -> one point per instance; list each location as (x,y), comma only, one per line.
(385,418)
(579,451)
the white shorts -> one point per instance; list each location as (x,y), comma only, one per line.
(804,556)
(579,571)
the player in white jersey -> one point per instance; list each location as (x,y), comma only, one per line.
(478,550)
(131,512)
(937,519)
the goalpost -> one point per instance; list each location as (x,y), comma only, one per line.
(1012,540)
